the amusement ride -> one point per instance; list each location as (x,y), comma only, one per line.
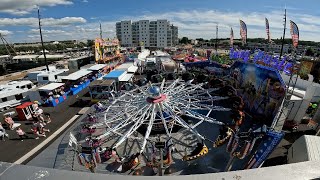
(156,125)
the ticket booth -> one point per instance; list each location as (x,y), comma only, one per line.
(25,111)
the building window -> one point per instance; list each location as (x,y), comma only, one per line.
(29,86)
(45,78)
(4,99)
(18,96)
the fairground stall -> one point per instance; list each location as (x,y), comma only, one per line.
(102,89)
(49,95)
(97,71)
(129,67)
(77,81)
(107,51)
(25,111)
(121,78)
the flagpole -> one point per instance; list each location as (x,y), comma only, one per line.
(284,31)
(100,31)
(217,39)
(43,49)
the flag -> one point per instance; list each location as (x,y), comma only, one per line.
(294,30)
(231,37)
(73,141)
(268,30)
(243,32)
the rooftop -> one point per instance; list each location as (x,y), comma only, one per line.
(97,67)
(114,74)
(52,56)
(25,57)
(51,86)
(77,75)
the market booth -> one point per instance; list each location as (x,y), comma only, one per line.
(25,111)
(121,78)
(50,95)
(129,67)
(77,81)
(97,71)
(102,89)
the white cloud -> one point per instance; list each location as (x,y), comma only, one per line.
(85,1)
(44,31)
(23,7)
(193,24)
(50,22)
(5,32)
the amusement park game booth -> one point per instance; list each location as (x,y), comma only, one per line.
(25,111)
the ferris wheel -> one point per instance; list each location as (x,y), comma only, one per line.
(153,118)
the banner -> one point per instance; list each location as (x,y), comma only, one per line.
(294,30)
(243,32)
(231,38)
(268,30)
(73,141)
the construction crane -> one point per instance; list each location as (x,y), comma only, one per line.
(7,46)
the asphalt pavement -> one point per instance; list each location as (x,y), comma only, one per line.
(12,149)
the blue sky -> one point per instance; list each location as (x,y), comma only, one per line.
(79,19)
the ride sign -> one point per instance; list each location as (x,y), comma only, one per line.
(263,58)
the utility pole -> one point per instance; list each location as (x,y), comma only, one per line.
(217,39)
(100,31)
(43,49)
(284,31)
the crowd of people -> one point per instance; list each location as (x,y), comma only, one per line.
(40,120)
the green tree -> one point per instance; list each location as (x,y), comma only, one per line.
(184,40)
(310,52)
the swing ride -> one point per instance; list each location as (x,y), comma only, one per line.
(164,127)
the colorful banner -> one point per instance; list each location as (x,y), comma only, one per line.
(231,38)
(98,54)
(243,32)
(264,59)
(106,49)
(268,30)
(294,30)
(261,88)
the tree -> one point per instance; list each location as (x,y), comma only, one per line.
(90,43)
(309,52)
(184,40)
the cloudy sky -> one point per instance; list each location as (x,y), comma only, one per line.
(79,19)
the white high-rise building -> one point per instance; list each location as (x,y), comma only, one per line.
(125,37)
(151,34)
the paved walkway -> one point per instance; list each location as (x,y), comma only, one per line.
(13,149)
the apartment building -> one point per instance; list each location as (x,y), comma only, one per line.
(151,34)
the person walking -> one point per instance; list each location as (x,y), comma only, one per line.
(21,134)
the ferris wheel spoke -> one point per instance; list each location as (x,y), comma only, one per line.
(147,134)
(183,123)
(199,116)
(122,124)
(134,127)
(164,121)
